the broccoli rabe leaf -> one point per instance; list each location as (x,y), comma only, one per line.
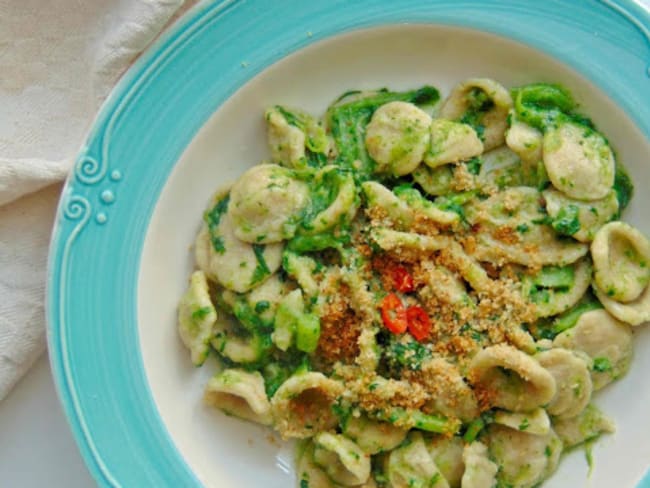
(212,218)
(623,187)
(409,355)
(567,221)
(347,121)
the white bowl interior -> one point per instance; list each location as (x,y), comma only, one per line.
(227,452)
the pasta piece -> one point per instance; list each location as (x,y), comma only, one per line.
(607,341)
(483,103)
(508,378)
(480,471)
(525,460)
(263,300)
(447,454)
(467,266)
(293,325)
(553,300)
(196,317)
(238,346)
(284,331)
(621,257)
(373,436)
(302,269)
(581,220)
(590,424)
(294,136)
(286,141)
(634,313)
(311,475)
(444,285)
(422,207)
(237,265)
(342,209)
(369,354)
(302,406)
(451,142)
(501,168)
(403,210)
(572,379)
(533,422)
(450,395)
(524,140)
(239,393)
(436,181)
(265,204)
(578,161)
(342,459)
(511,230)
(397,210)
(397,137)
(411,465)
(390,240)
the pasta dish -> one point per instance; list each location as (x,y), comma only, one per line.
(425,293)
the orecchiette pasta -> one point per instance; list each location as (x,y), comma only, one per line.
(444,285)
(404,210)
(481,102)
(451,142)
(480,471)
(342,208)
(397,137)
(510,229)
(240,393)
(450,395)
(579,162)
(621,257)
(607,341)
(236,345)
(423,300)
(584,427)
(343,460)
(265,204)
(581,220)
(412,465)
(447,454)
(287,142)
(524,459)
(524,140)
(501,167)
(551,300)
(302,269)
(436,181)
(302,405)
(533,422)
(511,379)
(236,265)
(196,317)
(295,137)
(572,379)
(312,475)
(373,436)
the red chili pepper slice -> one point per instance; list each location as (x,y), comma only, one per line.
(419,323)
(402,279)
(393,314)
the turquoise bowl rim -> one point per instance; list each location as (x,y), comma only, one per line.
(110,195)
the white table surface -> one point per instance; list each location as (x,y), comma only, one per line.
(36,446)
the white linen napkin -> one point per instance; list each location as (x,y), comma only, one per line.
(59,59)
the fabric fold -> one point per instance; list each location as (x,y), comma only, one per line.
(59,60)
